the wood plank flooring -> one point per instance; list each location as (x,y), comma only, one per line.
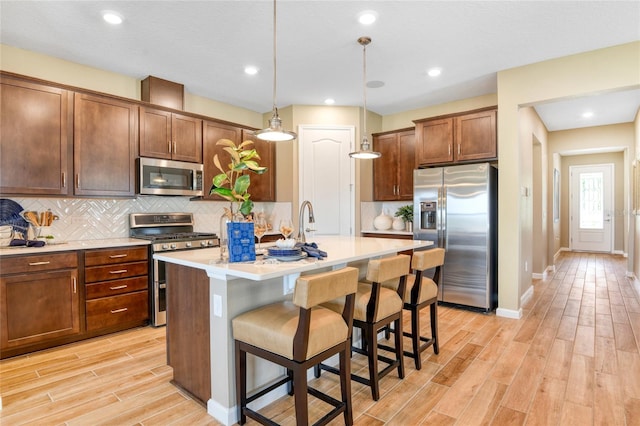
(572,359)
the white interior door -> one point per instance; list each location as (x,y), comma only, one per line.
(327,177)
(591,209)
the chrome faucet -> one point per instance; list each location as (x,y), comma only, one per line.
(301,236)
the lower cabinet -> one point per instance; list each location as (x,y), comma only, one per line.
(40,302)
(44,303)
(117,288)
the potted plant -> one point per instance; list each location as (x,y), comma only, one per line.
(406,213)
(232,183)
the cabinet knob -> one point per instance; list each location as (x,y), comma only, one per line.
(169,143)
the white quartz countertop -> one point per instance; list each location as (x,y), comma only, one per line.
(340,251)
(73,245)
(386,232)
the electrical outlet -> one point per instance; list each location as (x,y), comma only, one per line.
(526,266)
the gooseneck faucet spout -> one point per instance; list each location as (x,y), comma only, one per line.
(312,219)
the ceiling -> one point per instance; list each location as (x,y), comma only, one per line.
(205,45)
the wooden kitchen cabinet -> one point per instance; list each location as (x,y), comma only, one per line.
(170,136)
(117,288)
(105,146)
(262,187)
(456,138)
(36,138)
(39,302)
(393,171)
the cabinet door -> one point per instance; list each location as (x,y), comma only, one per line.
(186,134)
(155,133)
(212,132)
(435,141)
(105,146)
(35,138)
(476,136)
(38,307)
(406,164)
(385,168)
(263,187)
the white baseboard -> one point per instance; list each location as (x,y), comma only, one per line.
(527,295)
(509,313)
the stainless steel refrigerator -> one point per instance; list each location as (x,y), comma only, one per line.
(457,208)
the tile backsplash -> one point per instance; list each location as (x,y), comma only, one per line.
(95,219)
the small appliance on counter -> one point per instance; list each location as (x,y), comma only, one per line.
(167,232)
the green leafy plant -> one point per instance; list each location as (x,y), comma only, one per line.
(406,213)
(233,182)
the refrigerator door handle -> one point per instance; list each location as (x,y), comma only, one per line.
(445,233)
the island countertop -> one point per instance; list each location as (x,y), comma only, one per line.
(340,250)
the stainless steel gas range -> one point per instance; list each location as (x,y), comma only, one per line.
(167,232)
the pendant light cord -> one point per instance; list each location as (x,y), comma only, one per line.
(364,86)
(274,56)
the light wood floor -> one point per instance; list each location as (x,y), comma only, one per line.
(572,359)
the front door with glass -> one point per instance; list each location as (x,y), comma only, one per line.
(591,212)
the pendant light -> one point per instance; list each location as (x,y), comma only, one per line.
(365,151)
(275,132)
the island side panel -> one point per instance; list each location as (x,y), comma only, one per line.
(188,334)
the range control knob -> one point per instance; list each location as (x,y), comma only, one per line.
(173,246)
(165,246)
(188,244)
(210,243)
(203,243)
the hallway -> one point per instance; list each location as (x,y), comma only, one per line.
(572,359)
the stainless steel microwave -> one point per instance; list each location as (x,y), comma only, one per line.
(168,177)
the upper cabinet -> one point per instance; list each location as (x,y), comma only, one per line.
(393,171)
(36,138)
(105,146)
(454,138)
(262,187)
(170,136)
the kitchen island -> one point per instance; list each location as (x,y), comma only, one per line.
(204,295)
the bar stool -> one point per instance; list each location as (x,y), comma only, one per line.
(376,308)
(421,291)
(297,335)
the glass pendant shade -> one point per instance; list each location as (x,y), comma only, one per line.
(275,132)
(365,152)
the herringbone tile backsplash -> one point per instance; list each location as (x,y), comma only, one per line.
(95,219)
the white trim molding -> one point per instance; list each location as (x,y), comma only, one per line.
(509,313)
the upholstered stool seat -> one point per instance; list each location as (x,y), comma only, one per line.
(376,307)
(421,291)
(298,335)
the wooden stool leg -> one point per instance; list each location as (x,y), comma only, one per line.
(399,349)
(372,352)
(241,382)
(433,310)
(345,384)
(415,336)
(300,396)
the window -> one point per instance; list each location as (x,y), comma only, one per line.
(591,201)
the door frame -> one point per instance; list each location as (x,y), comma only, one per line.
(610,190)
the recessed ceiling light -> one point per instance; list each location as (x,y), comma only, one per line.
(251,70)
(434,72)
(587,114)
(114,18)
(367,17)
(329,101)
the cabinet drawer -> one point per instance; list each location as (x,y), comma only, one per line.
(116,310)
(114,272)
(115,287)
(38,262)
(117,255)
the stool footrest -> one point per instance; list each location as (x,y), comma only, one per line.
(268,389)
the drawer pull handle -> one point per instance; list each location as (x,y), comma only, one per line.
(75,286)
(115,256)
(118,287)
(119,271)
(46,262)
(117,311)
